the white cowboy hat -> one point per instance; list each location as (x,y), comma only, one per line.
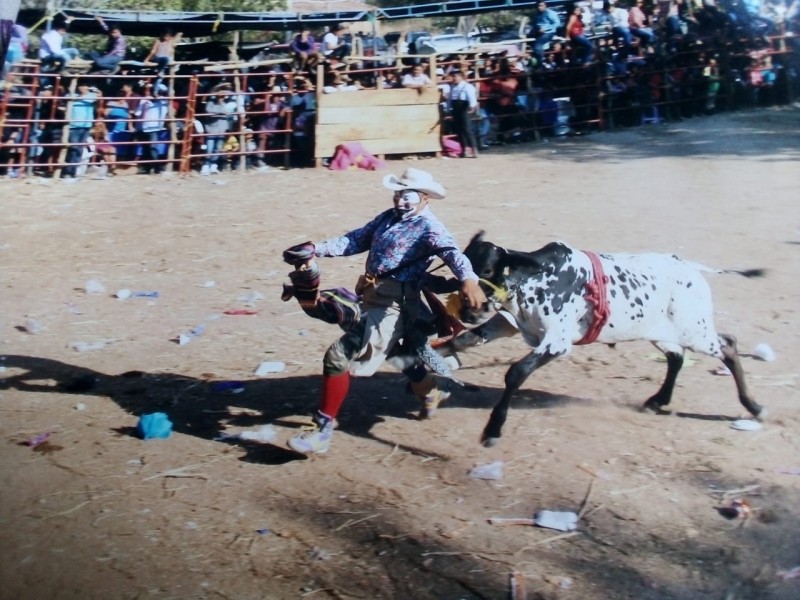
(415,179)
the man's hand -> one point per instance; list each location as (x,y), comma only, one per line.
(473,294)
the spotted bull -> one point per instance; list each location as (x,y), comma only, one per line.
(560,296)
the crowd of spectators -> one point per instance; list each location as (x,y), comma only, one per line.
(612,66)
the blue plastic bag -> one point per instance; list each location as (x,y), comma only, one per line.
(155,425)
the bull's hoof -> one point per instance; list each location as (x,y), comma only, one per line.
(653,407)
(489,442)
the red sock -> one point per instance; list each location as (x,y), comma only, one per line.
(334,391)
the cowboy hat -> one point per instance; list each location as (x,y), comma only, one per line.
(415,179)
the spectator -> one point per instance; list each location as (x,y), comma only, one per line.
(712,77)
(581,45)
(163,51)
(416,79)
(545,25)
(639,23)
(151,115)
(464,107)
(81,120)
(52,53)
(304,49)
(221,106)
(333,46)
(618,19)
(304,108)
(269,110)
(49,130)
(17,45)
(114,51)
(335,82)
(105,151)
(680,18)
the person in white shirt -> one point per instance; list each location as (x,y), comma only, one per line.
(618,18)
(51,50)
(417,79)
(332,44)
(463,107)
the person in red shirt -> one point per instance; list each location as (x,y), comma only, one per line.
(583,47)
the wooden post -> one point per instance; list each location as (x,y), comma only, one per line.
(318,92)
(173,136)
(237,86)
(188,127)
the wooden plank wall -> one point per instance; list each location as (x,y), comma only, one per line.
(397,121)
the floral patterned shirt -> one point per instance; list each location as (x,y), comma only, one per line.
(410,244)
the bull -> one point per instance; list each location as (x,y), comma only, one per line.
(559,296)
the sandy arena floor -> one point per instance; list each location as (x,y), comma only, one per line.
(390,512)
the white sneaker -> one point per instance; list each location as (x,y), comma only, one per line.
(312,441)
(204,170)
(214,169)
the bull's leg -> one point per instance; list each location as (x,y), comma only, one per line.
(662,397)
(515,377)
(731,359)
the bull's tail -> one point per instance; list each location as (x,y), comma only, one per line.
(749,273)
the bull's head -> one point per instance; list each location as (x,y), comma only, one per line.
(488,263)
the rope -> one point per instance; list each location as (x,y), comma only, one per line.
(597,297)
(500,293)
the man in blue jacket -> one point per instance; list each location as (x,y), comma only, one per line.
(545,25)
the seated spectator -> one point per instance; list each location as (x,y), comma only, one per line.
(163,51)
(639,23)
(545,25)
(416,79)
(680,18)
(390,80)
(268,112)
(304,49)
(583,47)
(114,51)
(333,46)
(618,19)
(52,53)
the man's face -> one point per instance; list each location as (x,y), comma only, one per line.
(417,71)
(541,6)
(409,203)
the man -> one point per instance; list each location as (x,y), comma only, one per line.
(464,107)
(151,115)
(545,25)
(114,51)
(51,49)
(402,242)
(618,19)
(303,47)
(81,119)
(332,44)
(416,79)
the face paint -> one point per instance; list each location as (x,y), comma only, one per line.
(406,203)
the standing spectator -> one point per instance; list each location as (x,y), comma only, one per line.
(639,23)
(545,26)
(333,46)
(81,120)
(401,243)
(220,108)
(712,77)
(464,107)
(17,45)
(52,53)
(303,47)
(151,115)
(115,48)
(163,51)
(581,45)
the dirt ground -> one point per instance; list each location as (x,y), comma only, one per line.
(390,511)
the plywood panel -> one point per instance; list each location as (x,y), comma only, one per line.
(384,121)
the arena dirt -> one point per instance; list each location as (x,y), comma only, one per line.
(390,512)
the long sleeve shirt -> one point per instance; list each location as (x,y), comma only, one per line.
(465,91)
(546,21)
(115,46)
(412,243)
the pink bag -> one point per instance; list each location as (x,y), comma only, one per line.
(353,155)
(451,147)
